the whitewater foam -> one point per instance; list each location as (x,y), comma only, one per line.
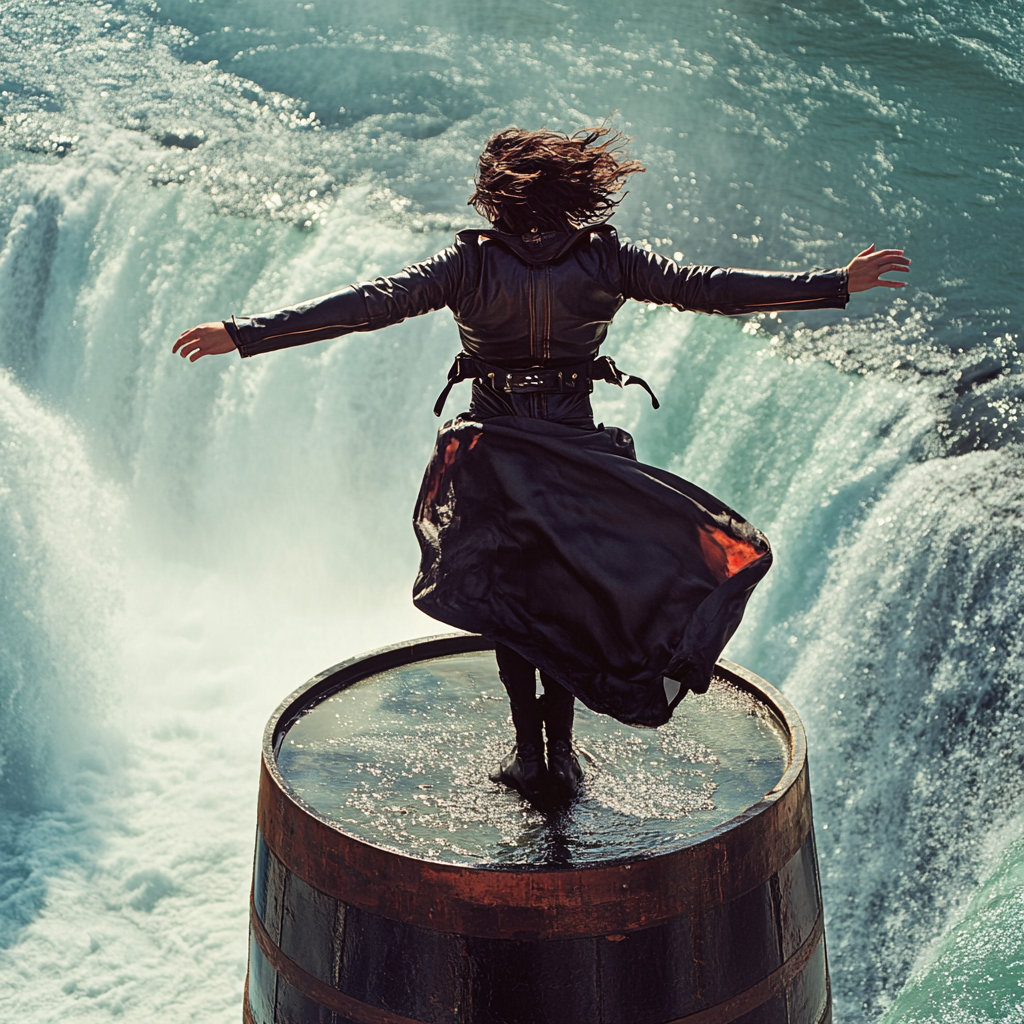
(194,541)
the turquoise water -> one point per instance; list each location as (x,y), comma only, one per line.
(181,545)
(396,761)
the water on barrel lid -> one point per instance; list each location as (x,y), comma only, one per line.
(402,758)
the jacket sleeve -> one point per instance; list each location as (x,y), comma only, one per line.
(360,307)
(652,278)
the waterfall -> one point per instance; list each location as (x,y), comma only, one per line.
(183,545)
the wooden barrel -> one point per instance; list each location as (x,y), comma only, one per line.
(722,925)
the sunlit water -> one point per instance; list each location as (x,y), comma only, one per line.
(182,545)
(396,759)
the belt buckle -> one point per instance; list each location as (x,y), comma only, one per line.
(524,380)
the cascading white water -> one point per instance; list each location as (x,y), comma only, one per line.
(181,545)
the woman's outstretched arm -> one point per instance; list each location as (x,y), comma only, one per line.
(362,307)
(650,277)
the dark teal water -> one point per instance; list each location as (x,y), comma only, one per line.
(179,546)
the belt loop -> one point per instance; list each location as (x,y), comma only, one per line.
(455,374)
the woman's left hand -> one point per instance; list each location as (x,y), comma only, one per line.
(866,268)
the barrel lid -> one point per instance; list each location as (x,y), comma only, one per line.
(648,792)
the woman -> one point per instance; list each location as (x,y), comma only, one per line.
(540,530)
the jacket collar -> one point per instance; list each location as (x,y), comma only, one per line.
(543,247)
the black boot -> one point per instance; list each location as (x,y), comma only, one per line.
(522,767)
(564,772)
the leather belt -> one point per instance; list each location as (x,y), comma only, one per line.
(538,380)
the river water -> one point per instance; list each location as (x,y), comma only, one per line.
(182,545)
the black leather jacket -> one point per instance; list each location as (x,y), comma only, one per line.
(543,300)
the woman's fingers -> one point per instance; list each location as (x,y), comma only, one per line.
(189,339)
(888,256)
(182,339)
(866,268)
(186,347)
(883,256)
(188,343)
(202,347)
(895,262)
(204,340)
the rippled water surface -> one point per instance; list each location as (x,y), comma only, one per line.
(402,760)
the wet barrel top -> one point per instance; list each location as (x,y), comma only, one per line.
(401,760)
(375,789)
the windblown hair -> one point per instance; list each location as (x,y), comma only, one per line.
(548,181)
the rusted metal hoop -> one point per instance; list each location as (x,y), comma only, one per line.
(362,1013)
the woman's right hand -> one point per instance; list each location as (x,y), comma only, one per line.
(204,340)
(864,269)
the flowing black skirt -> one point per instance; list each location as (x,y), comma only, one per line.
(619,579)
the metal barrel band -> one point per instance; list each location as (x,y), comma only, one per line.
(534,905)
(314,988)
(362,1013)
(757,995)
(247,1017)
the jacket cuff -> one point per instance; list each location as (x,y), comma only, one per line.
(241,331)
(843,284)
(232,328)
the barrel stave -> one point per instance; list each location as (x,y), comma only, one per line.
(808,994)
(736,944)
(268,884)
(412,971)
(640,973)
(524,982)
(415,972)
(261,986)
(799,897)
(312,924)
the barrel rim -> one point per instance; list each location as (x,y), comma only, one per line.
(325,684)
(353,670)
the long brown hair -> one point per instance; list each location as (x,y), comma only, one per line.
(548,181)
